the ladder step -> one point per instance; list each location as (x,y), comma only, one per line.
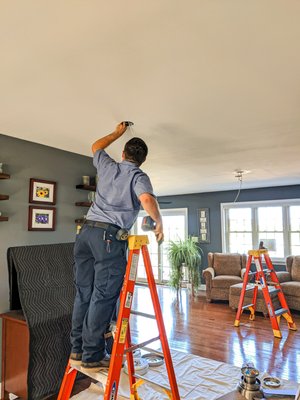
(247,306)
(141,314)
(273,290)
(249,287)
(267,270)
(140,345)
(153,351)
(252,273)
(280,311)
(270,283)
(100,376)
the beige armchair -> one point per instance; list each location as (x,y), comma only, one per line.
(290,282)
(223,271)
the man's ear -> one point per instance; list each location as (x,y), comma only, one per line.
(123,155)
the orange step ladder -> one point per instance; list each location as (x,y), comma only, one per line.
(122,338)
(268,287)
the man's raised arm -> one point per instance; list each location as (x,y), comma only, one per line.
(105,141)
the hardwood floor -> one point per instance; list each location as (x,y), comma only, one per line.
(206,329)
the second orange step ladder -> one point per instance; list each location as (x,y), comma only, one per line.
(122,339)
(268,287)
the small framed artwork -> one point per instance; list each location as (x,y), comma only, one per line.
(41,218)
(42,192)
(203,222)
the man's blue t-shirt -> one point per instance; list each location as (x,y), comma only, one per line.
(118,188)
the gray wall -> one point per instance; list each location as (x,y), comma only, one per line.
(24,160)
(213,201)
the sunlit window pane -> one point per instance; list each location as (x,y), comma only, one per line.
(270,230)
(295,218)
(240,219)
(273,241)
(270,219)
(174,230)
(240,242)
(295,243)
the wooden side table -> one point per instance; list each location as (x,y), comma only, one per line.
(15,354)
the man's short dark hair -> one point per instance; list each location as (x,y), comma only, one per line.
(136,150)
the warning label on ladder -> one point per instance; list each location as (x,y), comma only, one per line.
(123,330)
(133,267)
(128,300)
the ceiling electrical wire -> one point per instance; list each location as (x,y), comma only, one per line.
(239,175)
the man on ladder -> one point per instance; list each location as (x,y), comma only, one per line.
(101,245)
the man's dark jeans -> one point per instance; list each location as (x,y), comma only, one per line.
(100,267)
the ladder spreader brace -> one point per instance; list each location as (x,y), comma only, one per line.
(122,338)
(268,287)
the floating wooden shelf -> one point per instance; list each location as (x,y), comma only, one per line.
(4,176)
(86,187)
(4,197)
(83,204)
(3,218)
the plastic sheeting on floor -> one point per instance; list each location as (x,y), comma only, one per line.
(198,378)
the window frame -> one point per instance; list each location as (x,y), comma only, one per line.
(284,203)
(164,212)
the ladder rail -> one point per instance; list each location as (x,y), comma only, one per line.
(122,325)
(242,296)
(160,324)
(67,383)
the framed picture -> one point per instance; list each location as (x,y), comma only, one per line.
(203,222)
(41,218)
(42,192)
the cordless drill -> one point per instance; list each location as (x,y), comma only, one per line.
(148,224)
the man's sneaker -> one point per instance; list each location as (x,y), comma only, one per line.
(75,358)
(97,365)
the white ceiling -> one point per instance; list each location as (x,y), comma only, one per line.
(211,85)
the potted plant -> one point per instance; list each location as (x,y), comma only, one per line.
(184,253)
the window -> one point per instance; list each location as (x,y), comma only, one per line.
(175,228)
(275,223)
(295,229)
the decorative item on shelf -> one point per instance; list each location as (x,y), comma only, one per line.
(204,230)
(1,168)
(91,196)
(86,180)
(42,192)
(41,218)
